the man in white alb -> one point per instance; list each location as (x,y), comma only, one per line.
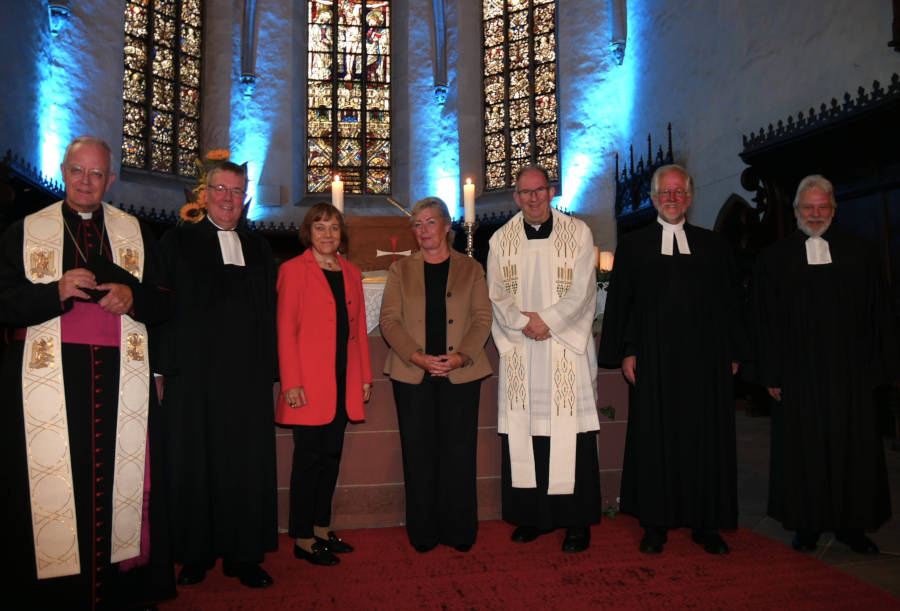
(543,291)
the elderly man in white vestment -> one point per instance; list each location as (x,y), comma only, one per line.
(543,290)
(79,280)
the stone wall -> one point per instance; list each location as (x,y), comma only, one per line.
(720,69)
(714,69)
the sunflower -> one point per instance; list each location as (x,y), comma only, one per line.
(192,212)
(218,154)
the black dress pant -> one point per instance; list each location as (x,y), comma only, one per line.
(439,437)
(317,461)
(534,507)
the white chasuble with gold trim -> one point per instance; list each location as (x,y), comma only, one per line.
(547,388)
(44,404)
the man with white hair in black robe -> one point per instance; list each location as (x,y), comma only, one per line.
(826,336)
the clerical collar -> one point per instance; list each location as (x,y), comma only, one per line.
(817,251)
(540,232)
(229,245)
(209,218)
(673,233)
(84,216)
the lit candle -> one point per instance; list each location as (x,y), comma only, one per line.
(469,200)
(337,193)
(606,261)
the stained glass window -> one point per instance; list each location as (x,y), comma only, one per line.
(348,116)
(521,118)
(161,88)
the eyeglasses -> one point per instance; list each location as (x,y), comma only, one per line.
(94,175)
(676,194)
(809,208)
(533,192)
(235,191)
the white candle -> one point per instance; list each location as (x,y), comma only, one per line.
(606,261)
(469,200)
(337,193)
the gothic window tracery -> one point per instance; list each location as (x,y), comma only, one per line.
(521,116)
(348,120)
(161,86)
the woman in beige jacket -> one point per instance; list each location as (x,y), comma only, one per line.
(436,317)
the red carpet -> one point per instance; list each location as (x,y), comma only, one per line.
(386,573)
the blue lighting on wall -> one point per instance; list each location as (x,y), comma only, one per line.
(56,87)
(596,119)
(436,133)
(447,188)
(250,136)
(434,154)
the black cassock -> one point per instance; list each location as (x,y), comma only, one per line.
(91,377)
(826,337)
(218,358)
(679,316)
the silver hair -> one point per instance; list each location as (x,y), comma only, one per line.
(434,203)
(815,181)
(89,140)
(665,169)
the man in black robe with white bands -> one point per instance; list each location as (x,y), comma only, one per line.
(827,339)
(218,360)
(84,513)
(672,322)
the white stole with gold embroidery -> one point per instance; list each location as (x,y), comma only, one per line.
(44,404)
(516,368)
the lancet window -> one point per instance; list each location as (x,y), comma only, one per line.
(348,110)
(521,116)
(161,88)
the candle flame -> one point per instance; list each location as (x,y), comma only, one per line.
(468,181)
(337,178)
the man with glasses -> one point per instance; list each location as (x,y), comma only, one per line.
(827,339)
(79,280)
(218,361)
(672,323)
(543,290)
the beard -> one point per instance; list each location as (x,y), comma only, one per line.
(813,232)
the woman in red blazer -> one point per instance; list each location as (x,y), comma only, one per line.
(323,354)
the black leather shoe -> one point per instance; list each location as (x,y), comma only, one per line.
(424,549)
(857,541)
(334,544)
(711,541)
(320,554)
(191,574)
(462,547)
(578,539)
(653,540)
(805,541)
(527,534)
(249,573)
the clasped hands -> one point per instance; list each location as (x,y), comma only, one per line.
(118,300)
(536,328)
(296,397)
(438,365)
